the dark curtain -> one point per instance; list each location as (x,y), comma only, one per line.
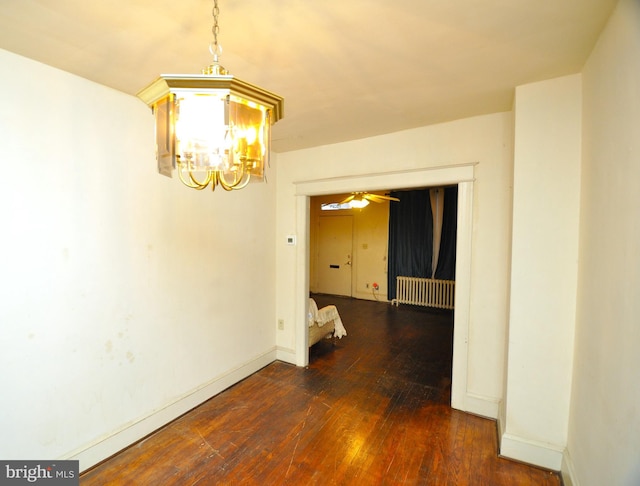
(411,237)
(446,269)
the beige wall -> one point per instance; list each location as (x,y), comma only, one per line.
(124,294)
(486,140)
(546,211)
(604,426)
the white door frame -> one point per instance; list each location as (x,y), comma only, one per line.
(463,176)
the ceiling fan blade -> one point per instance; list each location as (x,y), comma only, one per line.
(379,198)
(349,199)
(372,198)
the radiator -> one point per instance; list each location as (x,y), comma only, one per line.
(429,292)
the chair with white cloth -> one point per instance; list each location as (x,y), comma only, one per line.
(324,323)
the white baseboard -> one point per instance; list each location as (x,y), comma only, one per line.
(101,449)
(531,452)
(481,405)
(568,470)
(286,354)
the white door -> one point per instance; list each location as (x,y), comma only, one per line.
(335,246)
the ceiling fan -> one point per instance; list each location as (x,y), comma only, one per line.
(361,199)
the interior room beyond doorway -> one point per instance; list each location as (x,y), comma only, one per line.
(348,249)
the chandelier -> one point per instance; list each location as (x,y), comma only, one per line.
(213,128)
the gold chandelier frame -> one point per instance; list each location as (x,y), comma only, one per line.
(230,143)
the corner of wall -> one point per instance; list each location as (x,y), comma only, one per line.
(568,471)
(532,452)
(481,405)
(286,355)
(502,420)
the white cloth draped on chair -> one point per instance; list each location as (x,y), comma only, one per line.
(324,315)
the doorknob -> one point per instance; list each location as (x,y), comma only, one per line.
(349,260)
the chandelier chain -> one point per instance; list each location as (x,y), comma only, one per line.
(215,30)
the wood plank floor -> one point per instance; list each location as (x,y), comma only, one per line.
(371,409)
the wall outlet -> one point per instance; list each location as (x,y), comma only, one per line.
(281,324)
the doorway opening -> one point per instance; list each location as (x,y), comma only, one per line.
(462,175)
(400,234)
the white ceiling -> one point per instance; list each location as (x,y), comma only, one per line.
(347,69)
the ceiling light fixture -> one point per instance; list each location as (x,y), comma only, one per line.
(212,127)
(358,203)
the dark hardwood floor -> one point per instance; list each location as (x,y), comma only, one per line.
(373,408)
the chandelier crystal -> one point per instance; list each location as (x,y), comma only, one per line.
(214,128)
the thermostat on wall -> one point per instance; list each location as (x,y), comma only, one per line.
(291,239)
